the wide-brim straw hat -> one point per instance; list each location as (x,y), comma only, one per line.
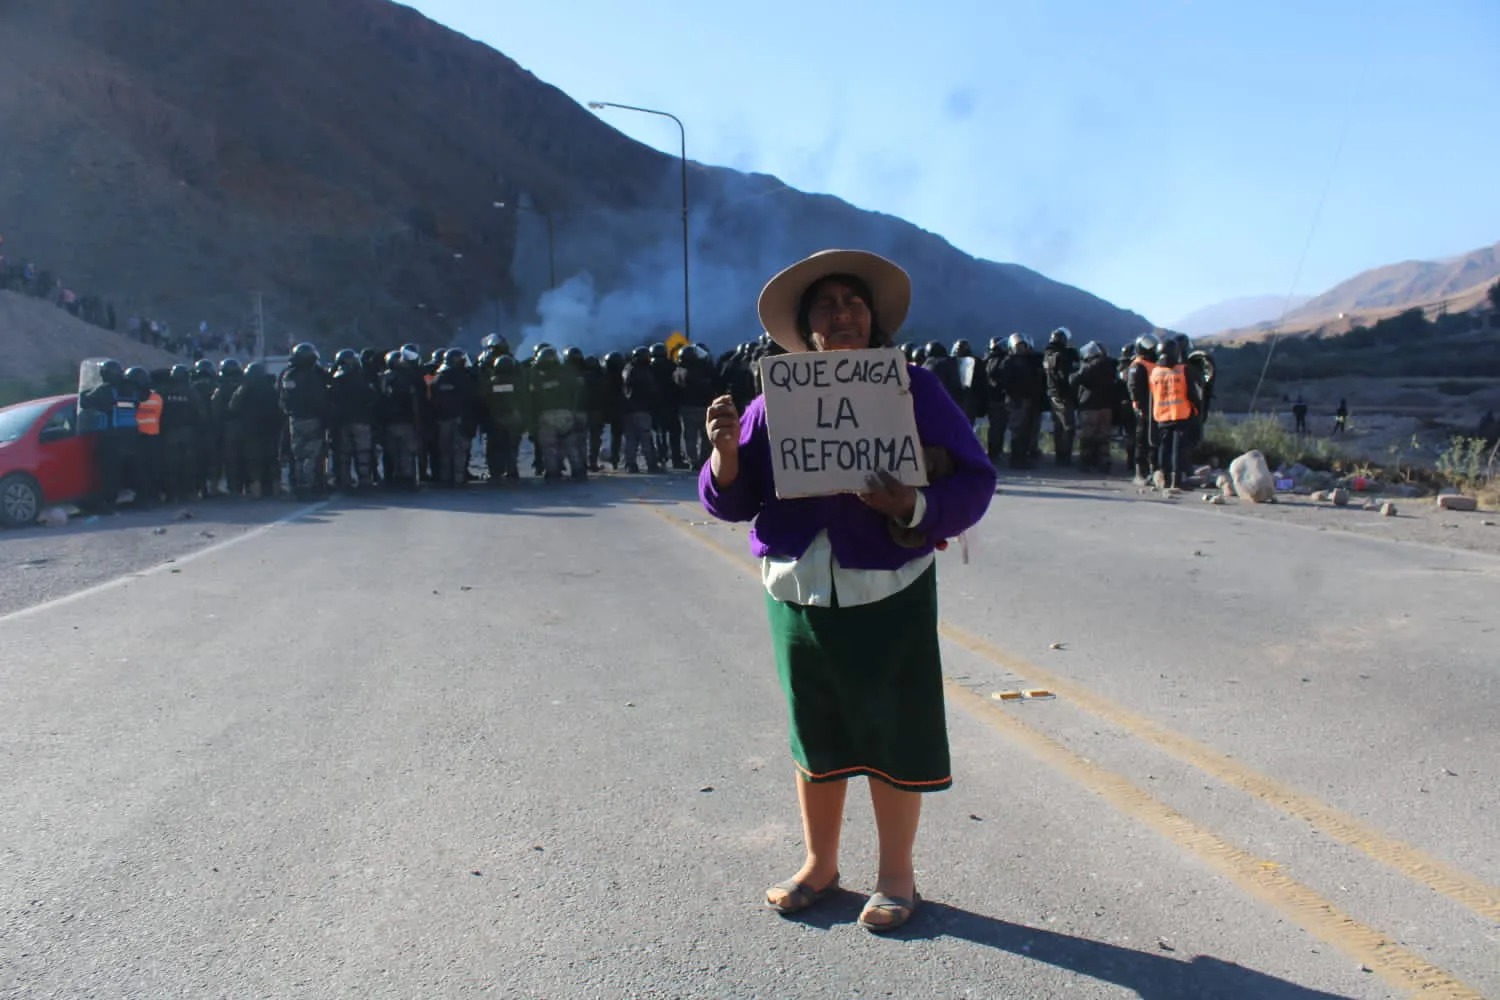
(890,287)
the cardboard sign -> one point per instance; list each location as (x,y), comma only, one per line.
(837,416)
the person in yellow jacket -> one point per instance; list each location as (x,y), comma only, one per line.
(1174,403)
(147,479)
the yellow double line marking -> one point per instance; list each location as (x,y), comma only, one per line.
(1396,965)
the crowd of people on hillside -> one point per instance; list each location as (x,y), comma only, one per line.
(397,418)
(27,278)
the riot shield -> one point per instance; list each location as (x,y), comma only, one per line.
(89,379)
(966,368)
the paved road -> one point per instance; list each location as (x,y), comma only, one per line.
(529,744)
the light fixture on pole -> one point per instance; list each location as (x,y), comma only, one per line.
(551,242)
(687,322)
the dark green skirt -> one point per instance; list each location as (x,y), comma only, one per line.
(864,688)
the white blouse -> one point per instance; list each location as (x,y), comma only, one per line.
(813,577)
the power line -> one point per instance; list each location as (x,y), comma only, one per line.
(1286,306)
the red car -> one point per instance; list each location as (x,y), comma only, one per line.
(44,460)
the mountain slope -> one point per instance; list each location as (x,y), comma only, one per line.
(347,164)
(1403,286)
(1234,313)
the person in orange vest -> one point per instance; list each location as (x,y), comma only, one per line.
(1174,403)
(147,479)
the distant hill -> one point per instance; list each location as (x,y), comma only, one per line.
(1402,286)
(1235,313)
(1453,284)
(351,172)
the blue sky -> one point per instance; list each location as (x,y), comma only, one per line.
(1165,155)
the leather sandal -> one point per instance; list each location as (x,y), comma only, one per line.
(799,895)
(899,908)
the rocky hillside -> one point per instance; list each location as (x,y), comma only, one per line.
(41,345)
(1454,284)
(344,159)
(1401,286)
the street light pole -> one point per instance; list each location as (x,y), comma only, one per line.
(687,322)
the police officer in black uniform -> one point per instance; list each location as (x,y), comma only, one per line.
(351,407)
(1060,361)
(181,419)
(259,423)
(112,405)
(303,395)
(992,387)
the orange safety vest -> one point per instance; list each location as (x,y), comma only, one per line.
(148,415)
(1169,395)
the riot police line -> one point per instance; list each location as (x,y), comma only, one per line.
(1092,400)
(395,419)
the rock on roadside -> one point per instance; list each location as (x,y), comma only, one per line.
(1252,478)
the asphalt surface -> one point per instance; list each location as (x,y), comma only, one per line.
(528,743)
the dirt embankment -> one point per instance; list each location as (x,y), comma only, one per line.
(41,346)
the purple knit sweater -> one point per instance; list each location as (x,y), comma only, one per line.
(858,534)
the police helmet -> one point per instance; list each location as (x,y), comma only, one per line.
(573,356)
(257,369)
(304,354)
(1171,354)
(1059,337)
(456,358)
(1125,350)
(414,348)
(962,349)
(111,372)
(1184,344)
(179,372)
(546,355)
(437,356)
(1146,346)
(138,377)
(997,345)
(230,367)
(346,358)
(614,360)
(658,350)
(1018,343)
(492,341)
(1092,350)
(393,358)
(203,367)
(935,349)
(640,355)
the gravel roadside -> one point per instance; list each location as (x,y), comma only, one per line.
(1417,520)
(41,564)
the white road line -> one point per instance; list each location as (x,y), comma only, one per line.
(121,581)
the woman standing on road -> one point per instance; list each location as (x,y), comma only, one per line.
(851,585)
